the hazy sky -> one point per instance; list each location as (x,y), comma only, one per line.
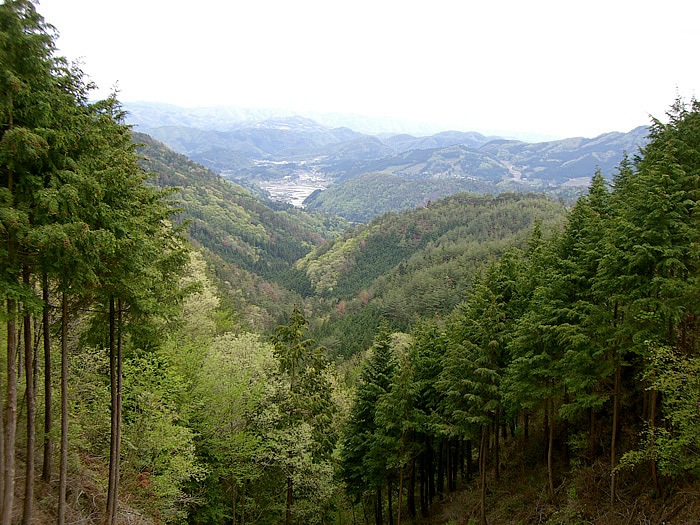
(554,68)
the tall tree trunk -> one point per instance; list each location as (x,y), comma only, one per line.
(482,473)
(441,468)
(63,466)
(30,398)
(546,431)
(411,496)
(615,426)
(120,376)
(47,466)
(496,449)
(652,428)
(565,435)
(288,511)
(462,453)
(470,460)
(10,414)
(430,471)
(592,434)
(378,507)
(424,505)
(526,425)
(550,450)
(114,407)
(234,499)
(448,465)
(390,500)
(2,449)
(243,500)
(398,511)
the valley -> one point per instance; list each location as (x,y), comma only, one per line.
(293,188)
(363,176)
(218,317)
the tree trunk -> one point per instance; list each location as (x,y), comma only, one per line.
(30,398)
(615,426)
(470,460)
(114,409)
(234,500)
(390,500)
(550,450)
(378,507)
(592,434)
(10,414)
(430,468)
(565,434)
(398,511)
(448,464)
(441,468)
(526,425)
(546,431)
(496,450)
(411,496)
(63,476)
(424,506)
(120,375)
(458,463)
(652,427)
(288,511)
(2,450)
(47,466)
(482,473)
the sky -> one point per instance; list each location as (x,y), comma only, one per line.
(521,68)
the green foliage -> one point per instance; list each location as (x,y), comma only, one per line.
(159,456)
(390,193)
(675,445)
(160,447)
(418,264)
(363,459)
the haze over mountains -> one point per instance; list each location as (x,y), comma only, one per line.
(364,175)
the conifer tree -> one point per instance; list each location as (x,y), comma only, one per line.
(653,261)
(363,462)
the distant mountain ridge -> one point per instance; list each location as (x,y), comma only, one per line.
(148,115)
(390,172)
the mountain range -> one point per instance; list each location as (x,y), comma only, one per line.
(389,172)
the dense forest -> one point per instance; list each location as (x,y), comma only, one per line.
(178,350)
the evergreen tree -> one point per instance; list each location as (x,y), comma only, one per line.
(654,262)
(363,460)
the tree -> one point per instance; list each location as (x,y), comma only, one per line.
(363,462)
(33,149)
(654,264)
(308,404)
(472,370)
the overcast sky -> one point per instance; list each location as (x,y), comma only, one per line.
(553,69)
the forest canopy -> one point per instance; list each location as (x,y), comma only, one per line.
(480,358)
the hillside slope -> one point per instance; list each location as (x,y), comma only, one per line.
(251,244)
(418,263)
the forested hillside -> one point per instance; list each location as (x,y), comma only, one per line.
(251,245)
(178,351)
(405,267)
(361,176)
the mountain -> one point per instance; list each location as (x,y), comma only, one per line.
(369,195)
(404,142)
(562,162)
(363,190)
(416,264)
(251,244)
(363,176)
(149,115)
